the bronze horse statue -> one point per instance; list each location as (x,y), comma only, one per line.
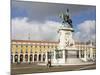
(66,18)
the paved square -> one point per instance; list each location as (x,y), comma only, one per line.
(33,68)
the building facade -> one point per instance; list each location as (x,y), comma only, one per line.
(27,51)
(31,51)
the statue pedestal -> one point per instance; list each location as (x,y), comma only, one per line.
(59,57)
(66,46)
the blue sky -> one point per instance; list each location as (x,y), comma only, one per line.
(42,12)
(87,13)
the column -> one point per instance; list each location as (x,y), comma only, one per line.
(46,57)
(37,57)
(28,58)
(91,53)
(54,57)
(66,55)
(23,58)
(13,58)
(63,56)
(79,54)
(85,55)
(33,58)
(41,57)
(18,58)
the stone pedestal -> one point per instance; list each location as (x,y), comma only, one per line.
(66,43)
(60,57)
(63,61)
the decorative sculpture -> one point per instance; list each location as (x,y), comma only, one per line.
(66,18)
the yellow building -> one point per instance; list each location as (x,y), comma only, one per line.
(27,51)
(31,51)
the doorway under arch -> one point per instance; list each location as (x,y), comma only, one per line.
(21,58)
(39,57)
(35,57)
(26,57)
(44,57)
(31,58)
(16,58)
(11,58)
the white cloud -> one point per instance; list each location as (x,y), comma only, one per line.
(21,27)
(85,31)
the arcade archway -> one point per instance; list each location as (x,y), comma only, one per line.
(26,57)
(44,57)
(31,58)
(11,58)
(39,57)
(21,58)
(16,58)
(35,57)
